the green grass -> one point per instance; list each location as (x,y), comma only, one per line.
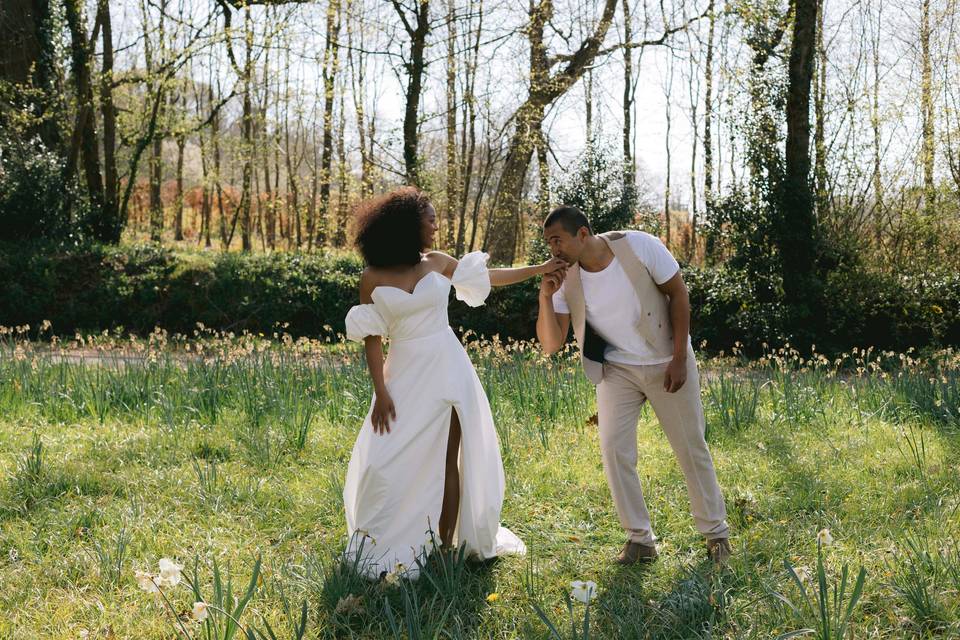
(233,465)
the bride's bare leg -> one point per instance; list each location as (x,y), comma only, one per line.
(451,484)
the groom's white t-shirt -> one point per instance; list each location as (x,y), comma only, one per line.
(613,309)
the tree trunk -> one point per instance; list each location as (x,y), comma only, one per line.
(629,164)
(708,115)
(111,206)
(453,176)
(796,229)
(178,218)
(819,101)
(875,125)
(344,190)
(331,59)
(86,119)
(358,71)
(468,141)
(926,112)
(694,92)
(588,98)
(247,133)
(415,67)
(668,93)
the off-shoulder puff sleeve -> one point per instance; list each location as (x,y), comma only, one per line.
(364,320)
(471,279)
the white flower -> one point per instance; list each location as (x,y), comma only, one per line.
(584,591)
(428,544)
(199,613)
(824,538)
(169,573)
(349,605)
(146,581)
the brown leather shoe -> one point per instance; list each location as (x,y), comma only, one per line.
(719,550)
(634,552)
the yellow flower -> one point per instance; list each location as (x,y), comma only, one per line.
(493,597)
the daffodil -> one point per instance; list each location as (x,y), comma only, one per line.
(199,613)
(824,538)
(584,591)
(493,597)
(169,573)
(146,581)
(349,604)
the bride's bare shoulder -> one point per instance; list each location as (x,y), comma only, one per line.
(370,278)
(440,261)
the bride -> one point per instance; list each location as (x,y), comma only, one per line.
(426,464)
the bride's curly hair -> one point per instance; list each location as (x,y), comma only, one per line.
(387,228)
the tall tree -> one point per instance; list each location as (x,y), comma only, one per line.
(468,132)
(819,109)
(544,88)
(331,63)
(85,130)
(113,223)
(708,112)
(926,112)
(453,174)
(796,228)
(417,27)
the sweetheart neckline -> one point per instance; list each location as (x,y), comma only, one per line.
(409,293)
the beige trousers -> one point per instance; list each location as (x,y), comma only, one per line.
(620,396)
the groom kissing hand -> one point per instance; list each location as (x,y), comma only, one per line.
(625,297)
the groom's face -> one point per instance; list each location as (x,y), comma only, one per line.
(563,244)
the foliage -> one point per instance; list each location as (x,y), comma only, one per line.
(35,200)
(140,287)
(594,183)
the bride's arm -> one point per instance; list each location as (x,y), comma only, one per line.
(505,276)
(383,408)
(500,277)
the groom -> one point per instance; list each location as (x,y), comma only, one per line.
(630,311)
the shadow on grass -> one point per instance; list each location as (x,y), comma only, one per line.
(446,600)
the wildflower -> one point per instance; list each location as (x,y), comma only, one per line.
(392,579)
(199,612)
(146,582)
(169,573)
(584,591)
(824,538)
(349,604)
(493,597)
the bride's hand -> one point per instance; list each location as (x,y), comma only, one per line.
(383,412)
(551,266)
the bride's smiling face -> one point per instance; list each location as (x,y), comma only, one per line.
(428,227)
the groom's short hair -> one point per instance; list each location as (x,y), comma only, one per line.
(568,217)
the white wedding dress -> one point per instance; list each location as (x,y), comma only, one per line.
(394,486)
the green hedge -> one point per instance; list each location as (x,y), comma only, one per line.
(140,287)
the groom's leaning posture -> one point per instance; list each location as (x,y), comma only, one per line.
(631,318)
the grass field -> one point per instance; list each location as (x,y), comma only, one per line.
(227,454)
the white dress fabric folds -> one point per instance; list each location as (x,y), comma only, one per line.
(394,486)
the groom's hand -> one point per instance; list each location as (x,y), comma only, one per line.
(676,375)
(551,282)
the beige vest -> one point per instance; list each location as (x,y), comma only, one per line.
(654,325)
